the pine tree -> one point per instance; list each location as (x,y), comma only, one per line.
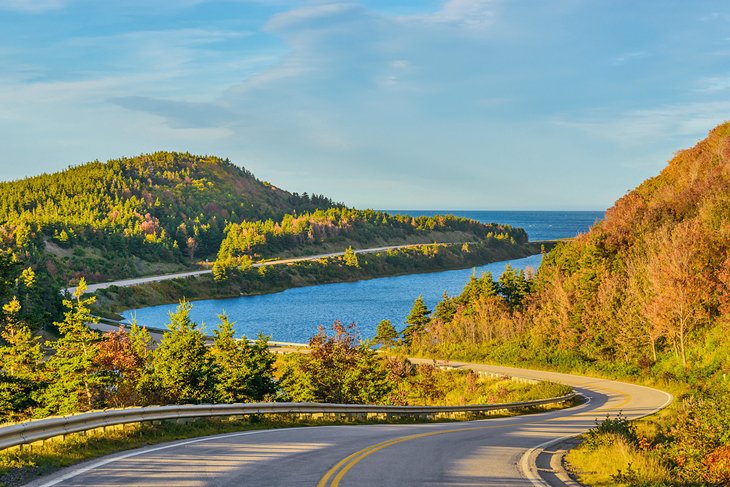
(183,368)
(386,334)
(244,370)
(260,363)
(350,258)
(73,372)
(417,320)
(21,363)
(513,286)
(445,309)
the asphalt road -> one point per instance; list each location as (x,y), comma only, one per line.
(181,275)
(493,452)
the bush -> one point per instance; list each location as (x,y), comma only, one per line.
(608,429)
(718,466)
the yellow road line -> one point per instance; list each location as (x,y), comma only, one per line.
(627,399)
(340,469)
(351,460)
(606,408)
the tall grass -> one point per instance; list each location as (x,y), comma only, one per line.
(616,453)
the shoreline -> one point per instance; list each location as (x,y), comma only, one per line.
(278,327)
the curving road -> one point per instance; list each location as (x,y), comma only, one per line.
(494,452)
(181,275)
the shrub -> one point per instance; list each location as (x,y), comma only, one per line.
(718,466)
(608,429)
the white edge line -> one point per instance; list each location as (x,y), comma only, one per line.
(137,452)
(525,463)
(528,461)
(141,451)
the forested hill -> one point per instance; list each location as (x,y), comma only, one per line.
(166,212)
(650,282)
(154,207)
(646,289)
(644,294)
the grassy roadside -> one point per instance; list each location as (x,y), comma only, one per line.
(616,452)
(22,465)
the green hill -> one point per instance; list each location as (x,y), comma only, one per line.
(165,212)
(650,282)
(645,294)
(154,212)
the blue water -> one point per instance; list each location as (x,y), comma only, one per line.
(294,315)
(539,225)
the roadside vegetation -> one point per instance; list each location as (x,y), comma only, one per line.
(643,296)
(88,371)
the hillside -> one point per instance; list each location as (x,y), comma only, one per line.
(645,294)
(335,229)
(165,212)
(651,280)
(154,210)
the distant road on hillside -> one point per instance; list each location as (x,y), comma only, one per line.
(181,275)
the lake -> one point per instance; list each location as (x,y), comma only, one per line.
(294,315)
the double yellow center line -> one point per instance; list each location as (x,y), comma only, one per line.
(343,466)
(335,474)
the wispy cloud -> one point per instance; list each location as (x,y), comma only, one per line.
(472,15)
(713,84)
(309,17)
(647,126)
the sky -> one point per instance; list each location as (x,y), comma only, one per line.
(449,104)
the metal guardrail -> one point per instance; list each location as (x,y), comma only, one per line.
(43,429)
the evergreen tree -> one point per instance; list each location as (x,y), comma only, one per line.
(445,309)
(73,369)
(244,370)
(417,320)
(350,258)
(476,287)
(8,275)
(259,360)
(21,364)
(513,286)
(386,334)
(183,370)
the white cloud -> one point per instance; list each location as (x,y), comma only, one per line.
(647,126)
